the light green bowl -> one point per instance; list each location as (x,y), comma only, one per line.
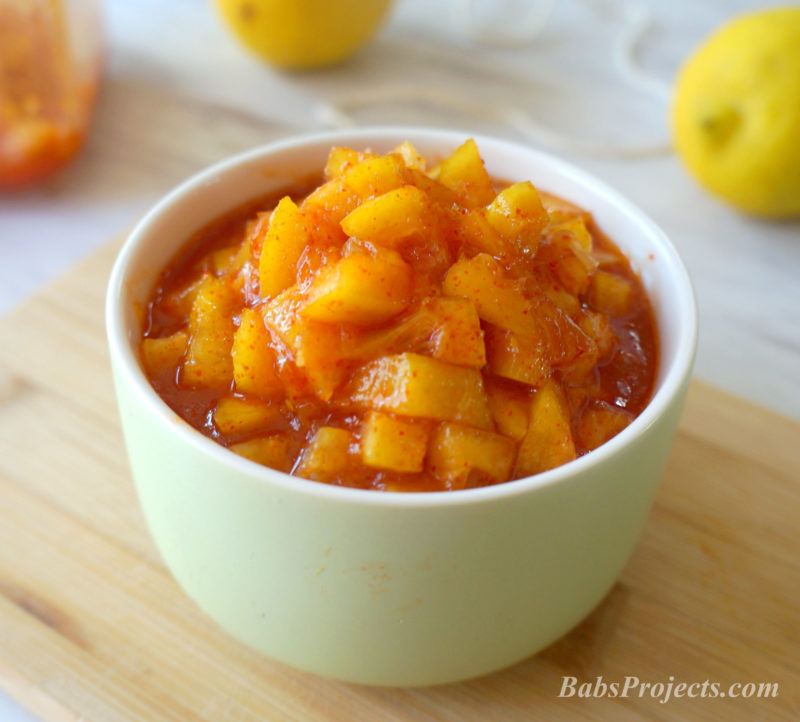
(383,587)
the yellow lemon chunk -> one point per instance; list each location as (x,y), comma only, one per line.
(736,113)
(303,34)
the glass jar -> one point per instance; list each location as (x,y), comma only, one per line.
(50,64)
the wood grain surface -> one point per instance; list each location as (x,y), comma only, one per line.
(92,627)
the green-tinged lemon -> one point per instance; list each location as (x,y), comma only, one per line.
(736,113)
(304,34)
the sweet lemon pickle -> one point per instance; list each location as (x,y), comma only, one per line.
(50,67)
(403,327)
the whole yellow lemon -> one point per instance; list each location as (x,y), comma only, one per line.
(736,113)
(304,34)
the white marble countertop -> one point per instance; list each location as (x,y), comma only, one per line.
(179,94)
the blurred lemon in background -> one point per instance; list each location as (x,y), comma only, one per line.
(304,34)
(736,113)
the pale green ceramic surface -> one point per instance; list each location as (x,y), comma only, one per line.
(389,588)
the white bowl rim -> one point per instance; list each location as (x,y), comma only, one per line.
(132,373)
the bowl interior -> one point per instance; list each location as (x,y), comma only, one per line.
(231,183)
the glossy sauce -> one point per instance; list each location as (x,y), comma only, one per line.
(622,379)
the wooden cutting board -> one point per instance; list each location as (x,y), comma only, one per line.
(92,627)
